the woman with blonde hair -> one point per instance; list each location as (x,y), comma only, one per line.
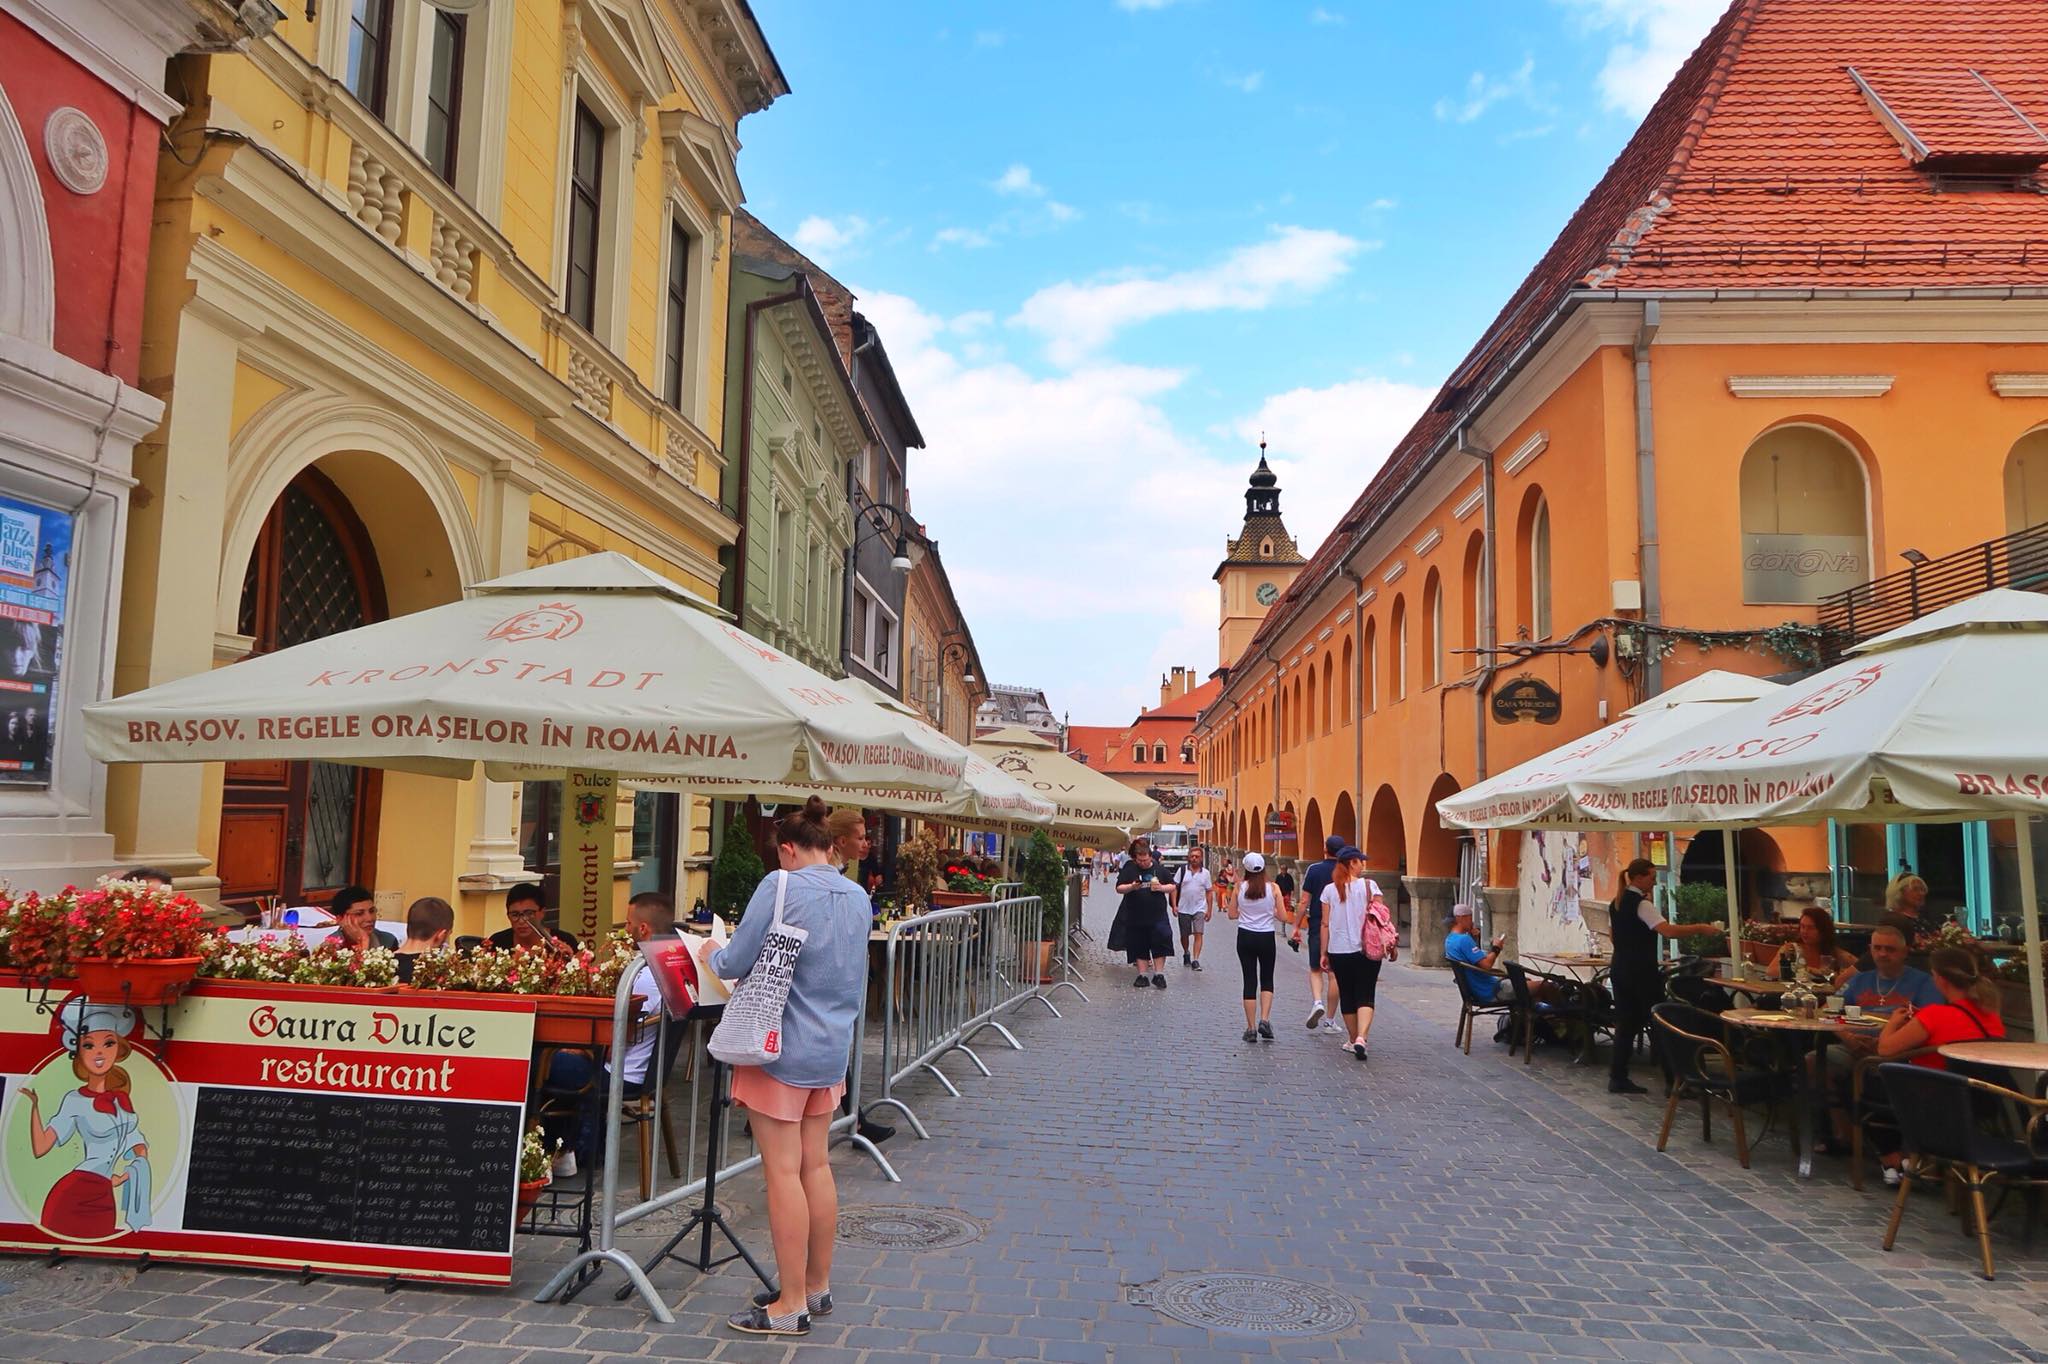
(848,825)
(1905,902)
(1968,1012)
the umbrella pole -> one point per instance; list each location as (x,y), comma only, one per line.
(2030,921)
(1734,898)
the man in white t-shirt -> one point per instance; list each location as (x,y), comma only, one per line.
(1194,903)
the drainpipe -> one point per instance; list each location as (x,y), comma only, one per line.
(746,429)
(1646,495)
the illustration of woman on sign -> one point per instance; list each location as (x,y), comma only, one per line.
(112,1176)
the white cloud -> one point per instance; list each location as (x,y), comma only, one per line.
(821,238)
(1017,180)
(1077,319)
(1247,84)
(1135,6)
(1482,92)
(1061,213)
(990,37)
(1650,40)
(966,237)
(1326,443)
(1319,15)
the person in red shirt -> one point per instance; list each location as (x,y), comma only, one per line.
(1968,1012)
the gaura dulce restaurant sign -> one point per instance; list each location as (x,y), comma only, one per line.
(288,1128)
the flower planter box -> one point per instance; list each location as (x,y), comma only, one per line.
(530,1192)
(954,899)
(221,985)
(141,984)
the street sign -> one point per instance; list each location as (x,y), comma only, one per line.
(1200,792)
(1203,826)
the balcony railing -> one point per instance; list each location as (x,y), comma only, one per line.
(2017,560)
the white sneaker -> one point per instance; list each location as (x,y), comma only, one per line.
(1330,1025)
(1315,1016)
(565,1164)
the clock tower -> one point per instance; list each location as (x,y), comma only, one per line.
(1258,564)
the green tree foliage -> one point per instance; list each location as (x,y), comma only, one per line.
(1045,876)
(736,872)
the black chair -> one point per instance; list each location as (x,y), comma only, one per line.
(1575,1007)
(468,943)
(1692,1047)
(1471,1006)
(1969,1130)
(1870,1107)
(1700,993)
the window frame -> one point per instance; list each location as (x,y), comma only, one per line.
(378,99)
(591,93)
(449,165)
(584,120)
(1541,619)
(677,373)
(888,669)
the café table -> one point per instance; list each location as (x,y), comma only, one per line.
(1765,989)
(2028,1056)
(1583,965)
(1808,1087)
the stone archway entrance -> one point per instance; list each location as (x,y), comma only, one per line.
(302,830)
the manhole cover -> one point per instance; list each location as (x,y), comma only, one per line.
(906,1227)
(1250,1304)
(295,1342)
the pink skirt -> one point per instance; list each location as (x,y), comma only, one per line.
(755,1089)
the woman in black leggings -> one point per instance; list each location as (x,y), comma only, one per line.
(1254,907)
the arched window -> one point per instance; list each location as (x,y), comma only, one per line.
(1308,724)
(1187,750)
(1296,716)
(1344,679)
(1369,666)
(1329,681)
(1433,598)
(1805,519)
(2026,482)
(1397,650)
(1474,586)
(1532,544)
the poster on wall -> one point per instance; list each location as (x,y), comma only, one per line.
(35,569)
(320,1129)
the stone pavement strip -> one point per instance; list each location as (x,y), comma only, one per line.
(1424,1206)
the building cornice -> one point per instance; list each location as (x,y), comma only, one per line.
(1810,385)
(2013,385)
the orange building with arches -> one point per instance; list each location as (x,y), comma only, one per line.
(1795,331)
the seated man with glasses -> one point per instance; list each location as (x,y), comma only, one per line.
(529,926)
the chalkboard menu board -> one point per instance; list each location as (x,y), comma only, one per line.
(353,1168)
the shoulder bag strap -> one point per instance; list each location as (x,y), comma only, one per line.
(781,894)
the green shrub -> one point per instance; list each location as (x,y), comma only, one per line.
(1702,902)
(736,872)
(1045,876)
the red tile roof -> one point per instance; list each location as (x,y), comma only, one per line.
(1096,744)
(1955,113)
(1187,706)
(1763,167)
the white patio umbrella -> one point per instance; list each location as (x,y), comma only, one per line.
(1539,793)
(596,664)
(1939,721)
(1093,811)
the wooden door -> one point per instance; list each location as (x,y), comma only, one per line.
(302,830)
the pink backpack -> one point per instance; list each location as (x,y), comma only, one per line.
(1377,934)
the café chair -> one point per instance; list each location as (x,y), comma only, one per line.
(1576,1007)
(1971,1131)
(1691,1045)
(1870,1107)
(641,1114)
(468,942)
(1471,1007)
(1699,992)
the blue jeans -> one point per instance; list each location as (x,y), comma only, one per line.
(577,1074)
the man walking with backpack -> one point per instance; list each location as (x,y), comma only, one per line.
(1322,987)
(1193,896)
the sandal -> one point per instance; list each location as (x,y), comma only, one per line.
(755,1321)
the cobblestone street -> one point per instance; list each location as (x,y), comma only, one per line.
(1422,1207)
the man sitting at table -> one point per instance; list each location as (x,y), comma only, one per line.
(428,922)
(1890,981)
(1462,945)
(650,914)
(355,921)
(528,923)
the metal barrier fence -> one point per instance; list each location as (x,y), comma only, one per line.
(949,975)
(608,1216)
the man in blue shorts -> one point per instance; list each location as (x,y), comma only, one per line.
(1322,986)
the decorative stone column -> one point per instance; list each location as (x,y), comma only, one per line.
(1503,916)
(1431,899)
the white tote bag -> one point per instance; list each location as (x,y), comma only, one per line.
(750,1032)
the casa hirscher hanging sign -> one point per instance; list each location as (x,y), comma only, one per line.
(1527,698)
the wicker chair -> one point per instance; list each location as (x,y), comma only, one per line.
(1693,1049)
(1471,1006)
(1949,1124)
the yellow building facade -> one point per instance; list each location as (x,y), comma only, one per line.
(437,292)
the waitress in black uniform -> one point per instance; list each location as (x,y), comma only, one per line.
(1143,928)
(1636,925)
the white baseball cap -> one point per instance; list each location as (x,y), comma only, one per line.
(1254,862)
(1461,911)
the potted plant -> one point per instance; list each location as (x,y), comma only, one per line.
(1761,942)
(536,1166)
(1045,876)
(964,886)
(270,962)
(575,990)
(1697,902)
(735,873)
(920,868)
(123,941)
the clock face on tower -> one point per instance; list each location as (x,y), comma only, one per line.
(1267,594)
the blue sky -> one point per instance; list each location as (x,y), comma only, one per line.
(1109,242)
